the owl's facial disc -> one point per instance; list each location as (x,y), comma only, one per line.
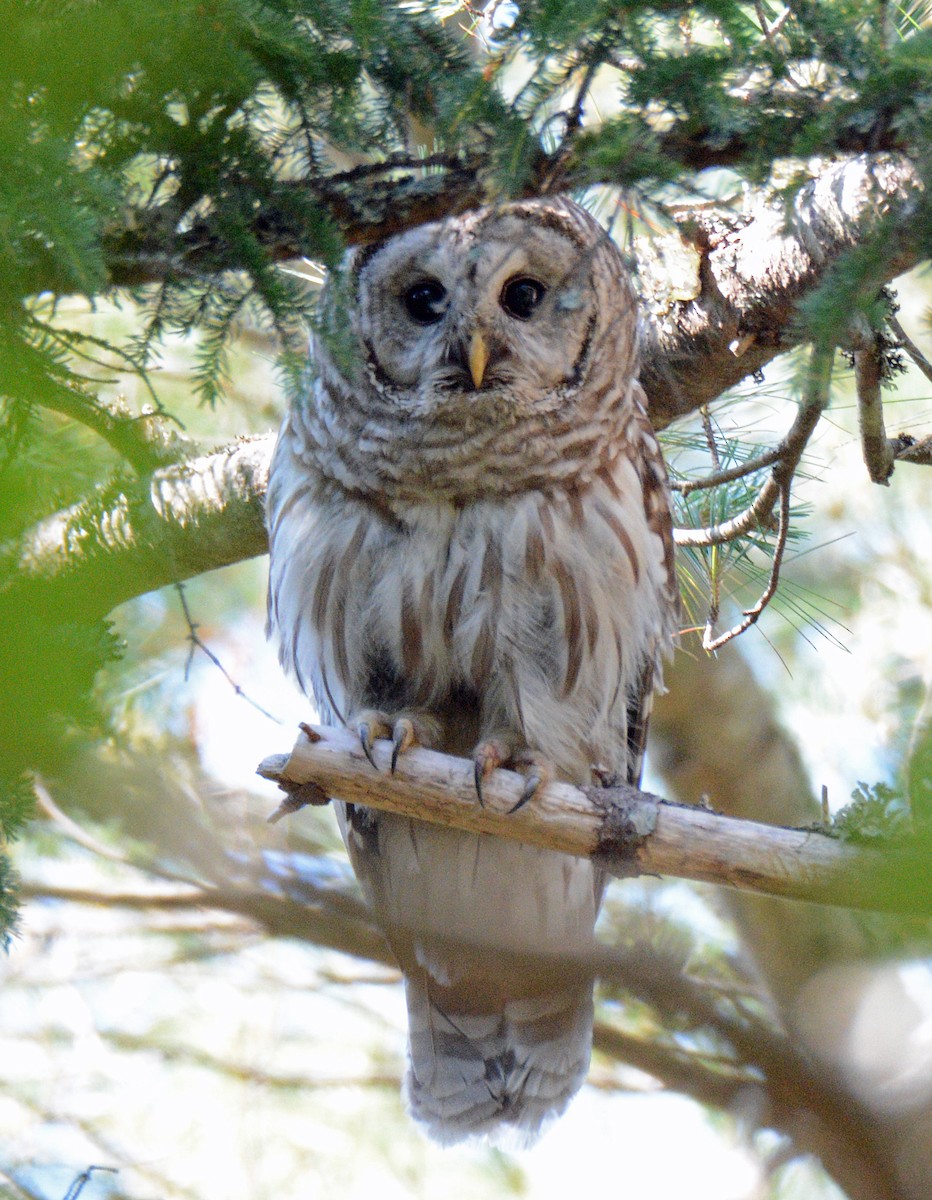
(494,309)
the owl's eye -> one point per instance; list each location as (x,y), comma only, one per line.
(426,302)
(521,295)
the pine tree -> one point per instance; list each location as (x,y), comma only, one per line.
(171,161)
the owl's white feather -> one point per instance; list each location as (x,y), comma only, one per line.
(485,558)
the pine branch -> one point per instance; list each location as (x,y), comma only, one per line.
(140,535)
(366,203)
(627,831)
(206,513)
(753,270)
(145,441)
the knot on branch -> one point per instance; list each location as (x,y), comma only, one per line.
(629,818)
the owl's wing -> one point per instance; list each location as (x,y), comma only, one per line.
(655,490)
(639,710)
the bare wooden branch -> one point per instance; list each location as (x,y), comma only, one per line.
(755,517)
(740,471)
(910,347)
(628,831)
(750,616)
(909,449)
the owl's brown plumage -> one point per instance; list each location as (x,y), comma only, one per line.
(471,547)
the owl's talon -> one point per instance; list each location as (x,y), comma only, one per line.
(365,740)
(478,775)
(488,755)
(405,730)
(532,784)
(403,738)
(504,750)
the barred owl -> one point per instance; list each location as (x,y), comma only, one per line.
(471,550)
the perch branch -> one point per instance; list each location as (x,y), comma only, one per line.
(628,832)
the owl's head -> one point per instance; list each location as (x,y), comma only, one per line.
(479,333)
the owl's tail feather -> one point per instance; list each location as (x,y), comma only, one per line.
(504,1073)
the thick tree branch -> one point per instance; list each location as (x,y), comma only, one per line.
(365,204)
(124,541)
(627,831)
(144,440)
(754,270)
(207,513)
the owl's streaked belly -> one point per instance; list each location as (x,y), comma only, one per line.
(521,612)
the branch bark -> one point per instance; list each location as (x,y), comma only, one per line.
(130,539)
(754,270)
(365,204)
(629,832)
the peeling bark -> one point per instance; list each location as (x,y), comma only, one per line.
(753,271)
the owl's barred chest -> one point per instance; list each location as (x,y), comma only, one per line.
(538,604)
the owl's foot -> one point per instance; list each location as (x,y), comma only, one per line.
(405,729)
(503,749)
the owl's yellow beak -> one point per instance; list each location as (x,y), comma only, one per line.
(478,357)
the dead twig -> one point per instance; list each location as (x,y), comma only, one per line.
(751,615)
(776,489)
(686,487)
(868,375)
(196,642)
(910,347)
